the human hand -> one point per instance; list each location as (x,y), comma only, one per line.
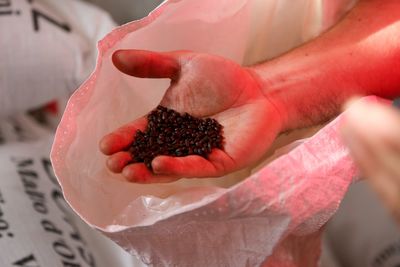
(203,86)
(372,132)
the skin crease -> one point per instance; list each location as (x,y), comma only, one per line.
(306,86)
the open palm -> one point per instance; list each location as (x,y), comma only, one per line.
(203,86)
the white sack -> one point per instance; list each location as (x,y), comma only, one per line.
(229,221)
(47,50)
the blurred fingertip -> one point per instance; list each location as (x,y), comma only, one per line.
(351,102)
(104,146)
(118,161)
(137,173)
(110,145)
(161,165)
(112,166)
(356,114)
(128,174)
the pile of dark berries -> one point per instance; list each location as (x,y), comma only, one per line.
(170,133)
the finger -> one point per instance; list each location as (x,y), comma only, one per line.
(373,132)
(387,157)
(378,127)
(139,173)
(362,155)
(386,122)
(378,176)
(389,191)
(194,166)
(147,64)
(117,162)
(122,137)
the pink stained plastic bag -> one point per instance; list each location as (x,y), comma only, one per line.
(272,217)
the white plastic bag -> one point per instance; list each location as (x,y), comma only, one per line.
(37,227)
(47,50)
(272,217)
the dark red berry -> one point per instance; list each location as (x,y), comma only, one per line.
(173,134)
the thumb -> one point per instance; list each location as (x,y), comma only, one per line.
(147,64)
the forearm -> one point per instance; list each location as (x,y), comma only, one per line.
(359,56)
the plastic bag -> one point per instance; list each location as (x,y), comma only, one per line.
(37,227)
(272,217)
(46,50)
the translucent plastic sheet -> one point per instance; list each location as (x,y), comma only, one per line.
(271,217)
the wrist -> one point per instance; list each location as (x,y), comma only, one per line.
(273,97)
(300,90)
(279,92)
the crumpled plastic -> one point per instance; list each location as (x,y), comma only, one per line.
(269,215)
